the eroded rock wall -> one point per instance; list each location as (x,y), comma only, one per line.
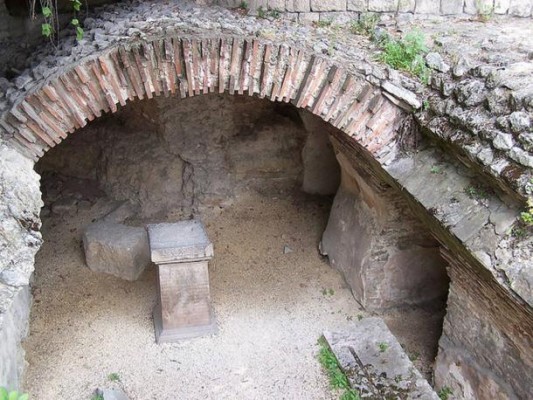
(169,154)
(20,202)
(386,255)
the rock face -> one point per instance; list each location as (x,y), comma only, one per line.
(20,239)
(385,255)
(116,249)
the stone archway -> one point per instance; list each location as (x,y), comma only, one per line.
(352,95)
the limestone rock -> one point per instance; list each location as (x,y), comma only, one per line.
(20,204)
(503,141)
(112,394)
(436,62)
(519,121)
(116,249)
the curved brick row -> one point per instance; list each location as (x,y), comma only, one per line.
(189,66)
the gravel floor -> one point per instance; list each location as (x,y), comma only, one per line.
(270,309)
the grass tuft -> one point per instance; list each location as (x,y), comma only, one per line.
(337,378)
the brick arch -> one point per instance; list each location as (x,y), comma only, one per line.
(190,66)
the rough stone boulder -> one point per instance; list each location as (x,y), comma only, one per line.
(116,249)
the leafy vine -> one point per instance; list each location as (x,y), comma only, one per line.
(50,24)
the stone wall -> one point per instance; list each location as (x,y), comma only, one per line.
(172,155)
(335,10)
(386,255)
(20,202)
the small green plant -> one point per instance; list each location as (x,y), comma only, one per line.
(49,25)
(328,292)
(485,11)
(337,378)
(323,23)
(415,355)
(12,395)
(476,192)
(97,396)
(425,105)
(435,170)
(365,25)
(269,13)
(527,216)
(444,393)
(359,317)
(383,347)
(243,5)
(407,54)
(114,377)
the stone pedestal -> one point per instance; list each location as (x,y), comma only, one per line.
(182,251)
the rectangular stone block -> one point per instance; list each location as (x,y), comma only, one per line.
(180,241)
(407,6)
(357,5)
(521,8)
(184,309)
(427,7)
(276,5)
(328,5)
(501,6)
(308,18)
(452,7)
(298,5)
(340,17)
(383,5)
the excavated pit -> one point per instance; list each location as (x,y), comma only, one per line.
(240,164)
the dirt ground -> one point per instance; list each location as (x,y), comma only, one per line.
(270,309)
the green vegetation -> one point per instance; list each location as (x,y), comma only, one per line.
(445,393)
(365,25)
(12,395)
(97,396)
(328,292)
(406,54)
(243,5)
(527,216)
(323,23)
(435,170)
(114,377)
(383,347)
(337,378)
(50,24)
(476,192)
(269,13)
(415,355)
(485,11)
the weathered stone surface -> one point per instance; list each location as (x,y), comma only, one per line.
(14,320)
(382,5)
(375,363)
(427,7)
(179,241)
(436,62)
(112,394)
(65,206)
(521,8)
(401,266)
(20,203)
(298,5)
(520,121)
(503,141)
(116,249)
(328,5)
(452,7)
(321,170)
(357,5)
(409,97)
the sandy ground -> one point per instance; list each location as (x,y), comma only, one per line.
(269,306)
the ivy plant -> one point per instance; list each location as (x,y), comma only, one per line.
(49,25)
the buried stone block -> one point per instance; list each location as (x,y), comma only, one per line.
(376,365)
(116,249)
(182,251)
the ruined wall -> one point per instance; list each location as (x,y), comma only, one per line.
(384,252)
(344,10)
(170,154)
(20,201)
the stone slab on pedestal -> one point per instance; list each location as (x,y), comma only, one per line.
(182,251)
